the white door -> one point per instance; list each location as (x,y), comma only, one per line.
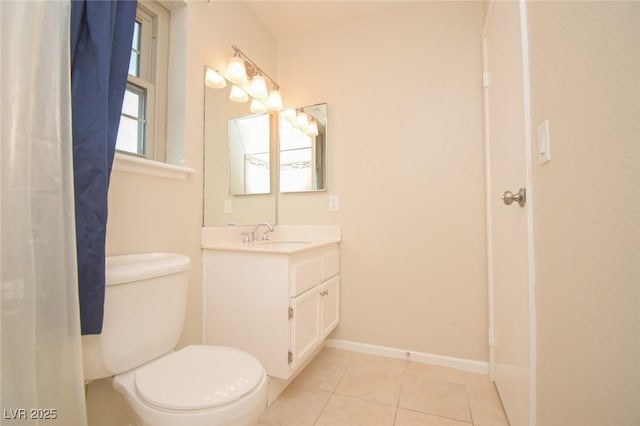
(511,261)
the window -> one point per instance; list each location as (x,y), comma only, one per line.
(141,130)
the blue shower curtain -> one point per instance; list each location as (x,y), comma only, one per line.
(101,33)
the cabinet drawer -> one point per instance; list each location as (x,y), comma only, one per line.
(305,275)
(330,265)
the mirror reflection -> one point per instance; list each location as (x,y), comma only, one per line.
(240,149)
(249,162)
(221,206)
(303,149)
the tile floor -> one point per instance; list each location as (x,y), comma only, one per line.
(349,388)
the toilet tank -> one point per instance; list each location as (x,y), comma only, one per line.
(144,310)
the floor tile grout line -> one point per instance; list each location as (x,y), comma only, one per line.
(333,392)
(324,407)
(413,410)
(350,364)
(395,416)
(466,393)
(364,399)
(445,382)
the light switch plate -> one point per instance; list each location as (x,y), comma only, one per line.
(227,206)
(544,143)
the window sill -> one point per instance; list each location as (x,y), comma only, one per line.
(142,166)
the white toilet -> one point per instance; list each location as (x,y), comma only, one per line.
(145,303)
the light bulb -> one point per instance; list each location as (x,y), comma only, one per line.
(238,95)
(312,130)
(302,121)
(288,114)
(274,102)
(236,72)
(257,107)
(258,88)
(214,80)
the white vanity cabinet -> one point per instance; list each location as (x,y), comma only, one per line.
(330,301)
(278,306)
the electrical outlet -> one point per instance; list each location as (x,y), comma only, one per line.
(334,203)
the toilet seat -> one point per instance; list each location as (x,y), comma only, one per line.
(198,377)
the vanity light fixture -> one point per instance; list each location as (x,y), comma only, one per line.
(302,121)
(238,71)
(238,95)
(312,130)
(257,107)
(258,88)
(214,80)
(288,114)
(274,101)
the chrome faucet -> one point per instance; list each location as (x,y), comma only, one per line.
(265,237)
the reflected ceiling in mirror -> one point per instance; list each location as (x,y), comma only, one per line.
(303,149)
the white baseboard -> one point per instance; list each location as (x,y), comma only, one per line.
(470,365)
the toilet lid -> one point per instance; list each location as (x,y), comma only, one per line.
(198,377)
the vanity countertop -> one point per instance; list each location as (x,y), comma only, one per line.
(276,246)
(286,239)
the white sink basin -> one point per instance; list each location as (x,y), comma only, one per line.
(284,244)
(274,246)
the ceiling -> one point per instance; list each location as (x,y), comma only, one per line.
(286,19)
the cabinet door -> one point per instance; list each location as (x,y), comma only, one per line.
(305,325)
(330,305)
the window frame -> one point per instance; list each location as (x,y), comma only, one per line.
(152,79)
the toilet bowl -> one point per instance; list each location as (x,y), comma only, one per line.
(197,386)
(145,303)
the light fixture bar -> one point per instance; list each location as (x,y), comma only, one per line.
(258,69)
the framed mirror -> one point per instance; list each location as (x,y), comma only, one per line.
(303,149)
(224,203)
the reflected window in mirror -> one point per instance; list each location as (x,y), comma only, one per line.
(249,155)
(303,149)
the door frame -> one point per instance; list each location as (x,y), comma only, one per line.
(529,205)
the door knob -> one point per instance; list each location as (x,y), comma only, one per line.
(520,197)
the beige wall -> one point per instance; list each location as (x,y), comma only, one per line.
(585,78)
(404,96)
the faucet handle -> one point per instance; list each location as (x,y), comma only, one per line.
(265,235)
(245,237)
